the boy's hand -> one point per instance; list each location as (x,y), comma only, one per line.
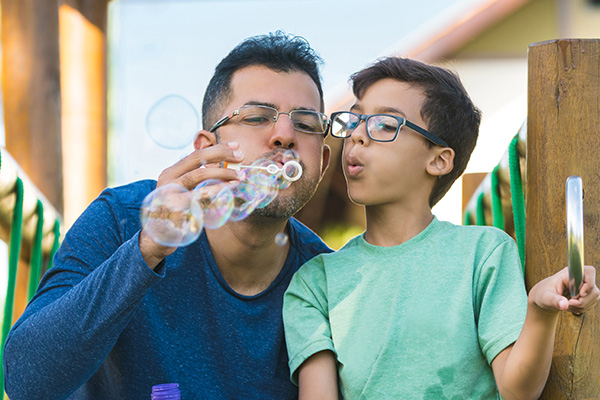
(551,294)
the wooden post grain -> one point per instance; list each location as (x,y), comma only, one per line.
(31,92)
(563,139)
(84,107)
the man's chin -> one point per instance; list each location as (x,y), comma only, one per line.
(279,208)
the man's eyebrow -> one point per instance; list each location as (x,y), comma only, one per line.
(260,103)
(263,103)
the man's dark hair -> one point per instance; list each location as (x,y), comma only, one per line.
(447,110)
(278,51)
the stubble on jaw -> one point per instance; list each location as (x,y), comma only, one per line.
(285,206)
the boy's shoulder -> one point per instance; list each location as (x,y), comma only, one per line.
(475,232)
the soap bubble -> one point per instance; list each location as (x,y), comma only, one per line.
(215,200)
(174,216)
(172,122)
(170,217)
(281,239)
(265,182)
(245,195)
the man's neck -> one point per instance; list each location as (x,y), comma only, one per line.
(247,254)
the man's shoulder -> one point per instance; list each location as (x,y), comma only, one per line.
(306,242)
(131,194)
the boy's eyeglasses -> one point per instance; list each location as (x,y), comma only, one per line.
(259,116)
(380,127)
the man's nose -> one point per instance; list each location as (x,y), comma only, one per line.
(283,134)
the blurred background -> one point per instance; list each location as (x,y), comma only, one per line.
(99,93)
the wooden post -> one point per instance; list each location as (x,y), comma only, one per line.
(563,139)
(83,77)
(31,92)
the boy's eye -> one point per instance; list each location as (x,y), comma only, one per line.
(351,125)
(385,125)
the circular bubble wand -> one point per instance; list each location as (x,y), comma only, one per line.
(291,170)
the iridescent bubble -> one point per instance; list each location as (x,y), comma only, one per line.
(264,181)
(245,197)
(170,217)
(281,239)
(216,201)
(172,122)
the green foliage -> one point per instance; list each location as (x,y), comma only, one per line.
(337,235)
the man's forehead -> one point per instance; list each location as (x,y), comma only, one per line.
(277,89)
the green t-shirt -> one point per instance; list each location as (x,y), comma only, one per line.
(421,320)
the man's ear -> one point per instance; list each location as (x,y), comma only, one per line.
(442,161)
(204,139)
(326,158)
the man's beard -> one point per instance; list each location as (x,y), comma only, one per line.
(285,205)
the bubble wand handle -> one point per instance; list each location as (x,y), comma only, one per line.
(291,165)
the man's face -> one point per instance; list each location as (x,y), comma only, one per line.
(285,92)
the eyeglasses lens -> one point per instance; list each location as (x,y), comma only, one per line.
(343,124)
(263,116)
(382,127)
(256,115)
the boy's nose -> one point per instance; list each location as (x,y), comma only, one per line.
(359,135)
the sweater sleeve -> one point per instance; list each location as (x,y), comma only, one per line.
(82,305)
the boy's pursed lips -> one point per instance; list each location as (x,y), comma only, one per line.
(353,165)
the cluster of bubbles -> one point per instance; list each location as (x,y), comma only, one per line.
(174,216)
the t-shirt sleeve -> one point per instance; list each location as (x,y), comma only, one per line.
(306,315)
(500,299)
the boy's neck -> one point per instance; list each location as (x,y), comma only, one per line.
(391,225)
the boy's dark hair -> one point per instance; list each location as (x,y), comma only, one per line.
(278,51)
(448,110)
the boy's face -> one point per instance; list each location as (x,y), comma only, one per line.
(380,173)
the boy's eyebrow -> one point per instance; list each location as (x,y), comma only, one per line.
(380,110)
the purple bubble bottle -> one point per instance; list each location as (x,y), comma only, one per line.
(166,391)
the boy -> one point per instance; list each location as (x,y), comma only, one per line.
(416,307)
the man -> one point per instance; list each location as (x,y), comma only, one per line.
(119,313)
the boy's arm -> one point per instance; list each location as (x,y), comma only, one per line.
(521,370)
(317,377)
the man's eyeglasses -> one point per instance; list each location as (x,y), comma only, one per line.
(259,116)
(380,127)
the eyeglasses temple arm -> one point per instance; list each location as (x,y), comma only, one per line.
(425,133)
(223,120)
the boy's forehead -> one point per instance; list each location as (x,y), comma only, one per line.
(391,96)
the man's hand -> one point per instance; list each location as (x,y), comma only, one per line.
(198,166)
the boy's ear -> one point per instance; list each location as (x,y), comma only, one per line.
(204,139)
(442,161)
